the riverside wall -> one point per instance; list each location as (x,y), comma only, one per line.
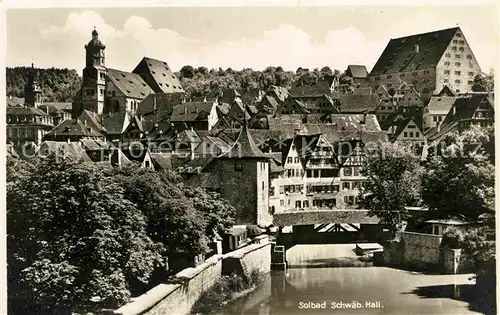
(180,294)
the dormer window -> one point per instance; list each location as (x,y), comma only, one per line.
(238,165)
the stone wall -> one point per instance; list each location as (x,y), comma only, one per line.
(421,250)
(179,296)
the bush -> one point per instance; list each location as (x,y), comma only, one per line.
(452,238)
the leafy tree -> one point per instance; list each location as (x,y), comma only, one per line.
(74,240)
(325,71)
(187,72)
(459,180)
(484,83)
(393,175)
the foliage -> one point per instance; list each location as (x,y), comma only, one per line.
(459,180)
(393,175)
(72,236)
(86,236)
(484,83)
(225,290)
(58,85)
(452,238)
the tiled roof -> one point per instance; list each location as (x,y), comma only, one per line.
(358,103)
(14,101)
(162,161)
(244,147)
(158,75)
(357,71)
(31,111)
(400,54)
(281,92)
(130,84)
(93,120)
(440,104)
(354,122)
(66,106)
(91,144)
(466,106)
(52,110)
(116,123)
(318,89)
(165,102)
(73,127)
(224,95)
(191,111)
(219,143)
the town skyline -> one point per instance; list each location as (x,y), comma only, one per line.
(290,37)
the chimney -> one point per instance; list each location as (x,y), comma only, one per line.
(417,48)
(438,126)
(154,104)
(185,110)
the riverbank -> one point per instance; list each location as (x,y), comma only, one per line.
(226,290)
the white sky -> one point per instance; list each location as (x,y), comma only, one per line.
(254,37)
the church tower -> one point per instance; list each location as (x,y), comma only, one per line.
(32,91)
(94,75)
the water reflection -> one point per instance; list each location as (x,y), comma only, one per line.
(387,290)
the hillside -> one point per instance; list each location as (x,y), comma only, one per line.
(58,85)
(61,85)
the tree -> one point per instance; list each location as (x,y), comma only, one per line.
(459,180)
(326,71)
(484,83)
(74,240)
(187,72)
(393,175)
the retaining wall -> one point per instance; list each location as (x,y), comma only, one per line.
(179,296)
(421,250)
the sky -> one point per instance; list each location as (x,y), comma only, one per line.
(239,37)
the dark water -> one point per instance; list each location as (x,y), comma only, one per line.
(373,290)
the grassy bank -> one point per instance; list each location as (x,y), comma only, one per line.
(225,290)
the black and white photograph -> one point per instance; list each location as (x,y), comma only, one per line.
(254,158)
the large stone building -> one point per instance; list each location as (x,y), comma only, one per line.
(106,90)
(428,62)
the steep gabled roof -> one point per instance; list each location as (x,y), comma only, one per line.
(72,149)
(224,95)
(165,103)
(191,111)
(116,123)
(400,54)
(73,127)
(465,106)
(130,84)
(358,103)
(440,105)
(300,90)
(158,75)
(280,91)
(15,101)
(357,71)
(244,146)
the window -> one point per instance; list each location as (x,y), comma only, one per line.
(238,166)
(316,173)
(445,80)
(470,82)
(389,76)
(412,126)
(414,82)
(461,49)
(454,48)
(447,55)
(282,202)
(458,56)
(426,81)
(458,64)
(446,63)
(405,134)
(101,91)
(457,82)
(455,41)
(461,42)
(471,74)
(346,185)
(262,185)
(113,93)
(402,75)
(457,72)
(411,134)
(347,171)
(296,160)
(469,56)
(289,160)
(389,107)
(414,74)
(298,204)
(305,204)
(382,107)
(434,118)
(458,35)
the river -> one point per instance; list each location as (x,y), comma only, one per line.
(313,286)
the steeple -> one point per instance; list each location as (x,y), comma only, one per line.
(95,50)
(32,91)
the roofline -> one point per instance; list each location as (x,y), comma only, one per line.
(426,33)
